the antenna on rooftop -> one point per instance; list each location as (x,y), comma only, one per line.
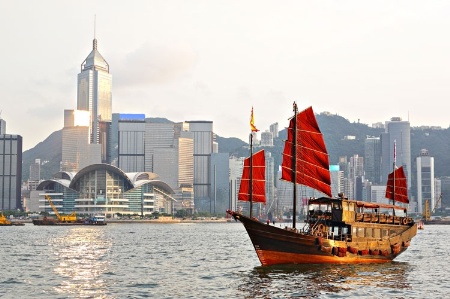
(94,46)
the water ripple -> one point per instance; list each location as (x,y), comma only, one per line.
(199,261)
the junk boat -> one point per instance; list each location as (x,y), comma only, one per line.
(336,230)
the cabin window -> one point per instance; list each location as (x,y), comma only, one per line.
(369,232)
(376,233)
(345,206)
(360,232)
(351,207)
(385,233)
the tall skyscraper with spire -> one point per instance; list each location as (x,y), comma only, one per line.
(94,95)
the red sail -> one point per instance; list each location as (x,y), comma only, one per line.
(312,157)
(400,193)
(258,179)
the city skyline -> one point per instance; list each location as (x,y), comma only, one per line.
(205,60)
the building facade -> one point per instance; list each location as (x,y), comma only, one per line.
(127,142)
(104,189)
(94,95)
(77,152)
(398,132)
(203,148)
(426,191)
(372,159)
(10,172)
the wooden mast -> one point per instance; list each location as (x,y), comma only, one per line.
(251,175)
(294,166)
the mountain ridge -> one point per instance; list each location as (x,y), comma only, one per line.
(333,127)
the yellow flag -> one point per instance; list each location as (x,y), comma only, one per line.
(252,123)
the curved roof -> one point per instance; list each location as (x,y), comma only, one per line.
(43,185)
(64,175)
(157,183)
(139,176)
(106,167)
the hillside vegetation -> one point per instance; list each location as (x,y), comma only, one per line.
(334,128)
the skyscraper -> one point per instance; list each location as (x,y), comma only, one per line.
(94,95)
(425,180)
(10,171)
(398,132)
(35,174)
(274,129)
(127,141)
(2,126)
(372,159)
(203,148)
(77,153)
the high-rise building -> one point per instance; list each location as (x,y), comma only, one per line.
(270,181)
(274,130)
(2,127)
(372,159)
(203,148)
(77,152)
(337,180)
(184,193)
(157,135)
(127,142)
(94,95)
(425,181)
(35,175)
(220,188)
(266,138)
(356,173)
(169,152)
(10,171)
(35,170)
(398,132)
(236,165)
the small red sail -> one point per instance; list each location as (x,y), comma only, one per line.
(400,193)
(312,157)
(258,179)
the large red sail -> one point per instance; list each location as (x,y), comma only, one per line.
(258,179)
(397,179)
(312,164)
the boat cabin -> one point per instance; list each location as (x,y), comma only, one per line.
(343,219)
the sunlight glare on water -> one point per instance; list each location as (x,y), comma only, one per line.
(80,260)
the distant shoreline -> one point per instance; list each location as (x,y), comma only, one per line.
(166,220)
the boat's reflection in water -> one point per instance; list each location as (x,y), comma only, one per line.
(313,281)
(80,260)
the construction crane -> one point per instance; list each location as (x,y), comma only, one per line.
(426,212)
(62,218)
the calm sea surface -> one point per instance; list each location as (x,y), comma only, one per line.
(199,260)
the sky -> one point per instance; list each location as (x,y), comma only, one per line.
(214,60)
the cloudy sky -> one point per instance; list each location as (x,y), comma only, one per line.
(214,59)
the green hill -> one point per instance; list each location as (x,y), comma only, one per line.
(334,128)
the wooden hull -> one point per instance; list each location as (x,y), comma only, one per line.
(275,245)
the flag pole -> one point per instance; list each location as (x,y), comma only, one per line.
(252,129)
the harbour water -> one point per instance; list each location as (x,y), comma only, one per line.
(200,260)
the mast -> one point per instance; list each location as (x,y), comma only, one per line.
(393,170)
(294,164)
(251,174)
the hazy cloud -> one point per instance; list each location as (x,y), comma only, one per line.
(154,64)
